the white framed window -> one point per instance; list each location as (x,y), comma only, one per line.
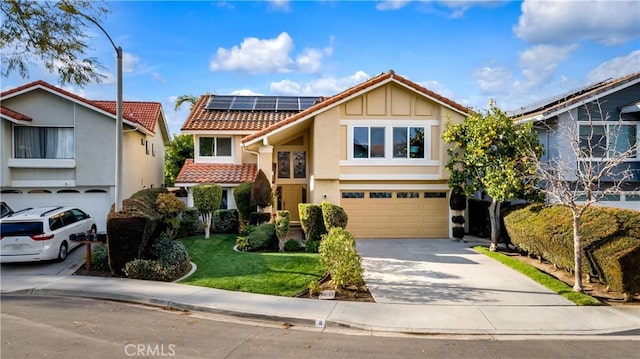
(368,142)
(44,142)
(215,146)
(603,140)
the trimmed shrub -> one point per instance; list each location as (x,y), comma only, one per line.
(246,230)
(242,243)
(333,216)
(457,232)
(169,206)
(457,199)
(457,219)
(311,246)
(226,221)
(338,254)
(263,237)
(292,245)
(312,221)
(281,223)
(610,241)
(189,224)
(259,218)
(242,195)
(131,231)
(261,190)
(170,261)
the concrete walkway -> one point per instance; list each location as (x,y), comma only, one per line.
(452,309)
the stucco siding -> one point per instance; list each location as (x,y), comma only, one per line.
(6,151)
(95,148)
(44,108)
(326,153)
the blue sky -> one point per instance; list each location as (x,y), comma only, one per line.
(469,51)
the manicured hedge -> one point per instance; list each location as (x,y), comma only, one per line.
(311,221)
(610,239)
(226,221)
(242,195)
(131,232)
(333,216)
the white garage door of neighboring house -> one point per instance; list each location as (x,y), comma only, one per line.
(96,202)
(397,214)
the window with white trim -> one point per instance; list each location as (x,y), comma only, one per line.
(44,142)
(408,142)
(607,140)
(368,142)
(215,146)
(390,142)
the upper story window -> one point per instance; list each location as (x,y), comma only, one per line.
(43,142)
(389,142)
(408,142)
(215,146)
(607,140)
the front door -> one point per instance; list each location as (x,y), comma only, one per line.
(290,196)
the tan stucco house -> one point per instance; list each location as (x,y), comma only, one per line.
(374,149)
(58,148)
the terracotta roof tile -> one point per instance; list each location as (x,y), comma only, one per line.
(202,119)
(351,91)
(145,109)
(143,112)
(13,114)
(215,172)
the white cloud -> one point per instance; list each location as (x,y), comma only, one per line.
(245,92)
(279,4)
(268,56)
(437,87)
(616,67)
(129,62)
(324,86)
(158,77)
(607,22)
(539,63)
(391,4)
(493,80)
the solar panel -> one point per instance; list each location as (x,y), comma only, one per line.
(306,102)
(219,103)
(288,104)
(261,103)
(245,103)
(266,103)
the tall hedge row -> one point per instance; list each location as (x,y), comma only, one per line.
(610,239)
(312,221)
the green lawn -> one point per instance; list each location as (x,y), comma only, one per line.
(219,266)
(545,279)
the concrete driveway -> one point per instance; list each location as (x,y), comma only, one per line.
(442,271)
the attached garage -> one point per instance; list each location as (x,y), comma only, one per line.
(94,201)
(397,214)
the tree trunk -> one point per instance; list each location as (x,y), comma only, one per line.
(207,224)
(494,217)
(577,253)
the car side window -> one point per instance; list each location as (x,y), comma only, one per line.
(79,214)
(55,222)
(68,218)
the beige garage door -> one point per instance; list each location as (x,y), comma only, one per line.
(397,214)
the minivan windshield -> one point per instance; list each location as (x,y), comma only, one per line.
(12,229)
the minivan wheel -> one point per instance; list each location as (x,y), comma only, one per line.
(62,253)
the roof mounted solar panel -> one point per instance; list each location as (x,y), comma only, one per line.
(288,104)
(245,103)
(306,102)
(266,103)
(219,103)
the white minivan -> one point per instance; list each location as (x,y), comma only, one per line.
(37,234)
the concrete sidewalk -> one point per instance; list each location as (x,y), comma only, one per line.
(463,318)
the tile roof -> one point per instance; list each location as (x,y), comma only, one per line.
(108,106)
(354,90)
(143,112)
(202,119)
(216,172)
(570,98)
(13,114)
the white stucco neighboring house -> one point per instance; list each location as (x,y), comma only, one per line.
(57,148)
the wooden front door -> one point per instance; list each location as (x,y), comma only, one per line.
(290,196)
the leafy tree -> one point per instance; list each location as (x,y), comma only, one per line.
(186,98)
(206,199)
(179,150)
(52,31)
(578,185)
(486,155)
(261,195)
(169,206)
